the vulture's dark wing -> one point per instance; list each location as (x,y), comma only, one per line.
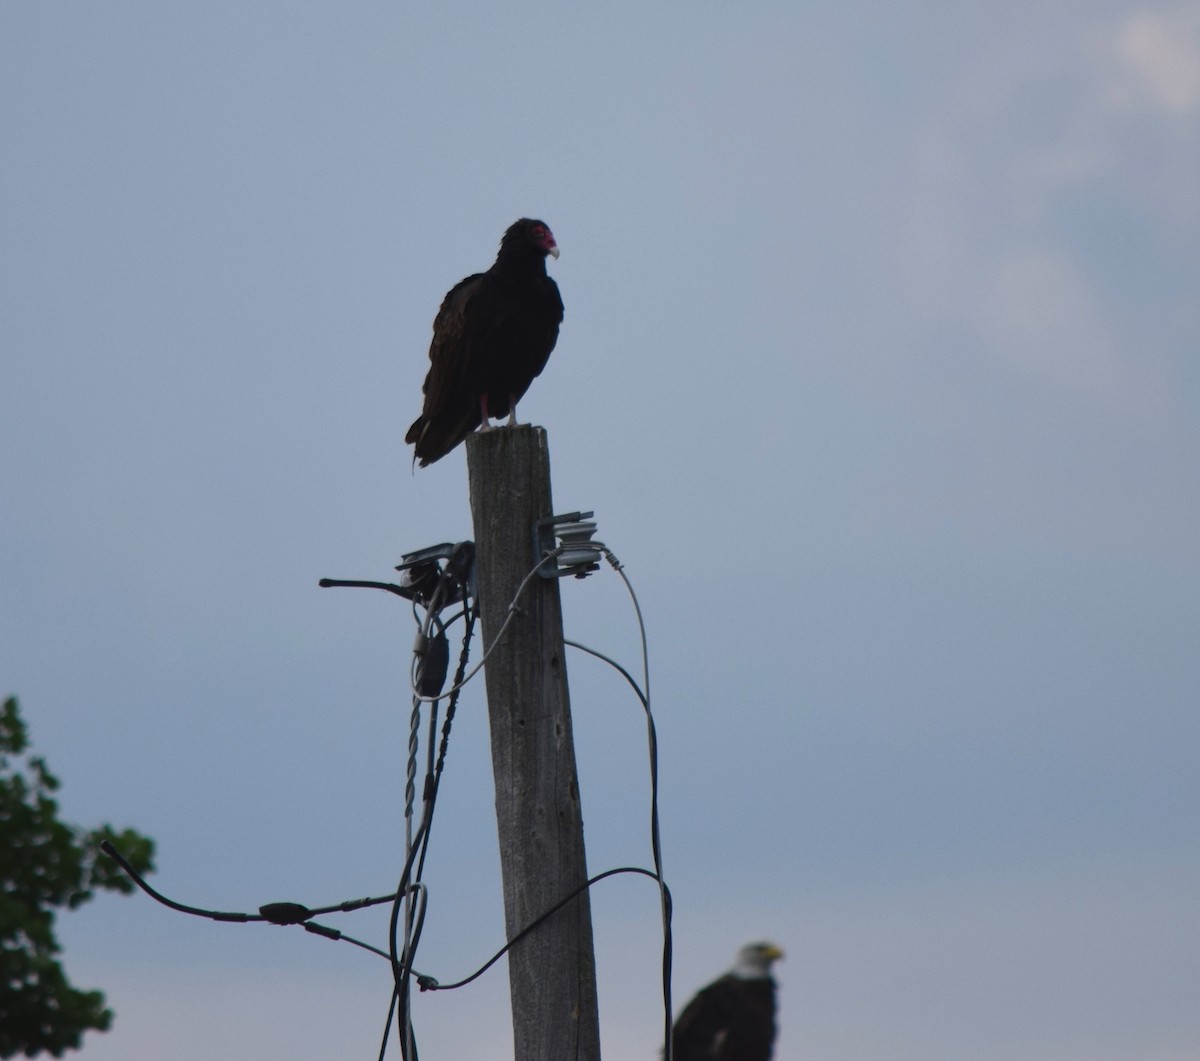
(452,367)
(451,408)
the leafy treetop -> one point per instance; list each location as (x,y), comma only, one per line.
(45,865)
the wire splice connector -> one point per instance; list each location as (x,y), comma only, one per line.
(433,661)
(285,913)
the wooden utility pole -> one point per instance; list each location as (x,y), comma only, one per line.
(552,971)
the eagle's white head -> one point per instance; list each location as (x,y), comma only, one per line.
(754,961)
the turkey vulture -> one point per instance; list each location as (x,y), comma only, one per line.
(493,334)
(733,1018)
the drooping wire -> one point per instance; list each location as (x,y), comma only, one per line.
(272,913)
(417,842)
(655,832)
(294,915)
(612,663)
(402,960)
(428,676)
(411,894)
(428,983)
(643,694)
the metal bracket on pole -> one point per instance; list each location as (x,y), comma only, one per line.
(421,573)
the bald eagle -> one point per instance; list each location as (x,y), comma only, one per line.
(733,1018)
(491,337)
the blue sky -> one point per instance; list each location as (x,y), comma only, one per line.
(880,371)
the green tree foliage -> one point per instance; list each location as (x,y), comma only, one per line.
(45,865)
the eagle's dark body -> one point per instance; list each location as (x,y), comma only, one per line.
(491,337)
(733,1018)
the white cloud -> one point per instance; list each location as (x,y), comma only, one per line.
(1024,187)
(1158,57)
(1036,310)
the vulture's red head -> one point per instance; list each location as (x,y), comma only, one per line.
(527,234)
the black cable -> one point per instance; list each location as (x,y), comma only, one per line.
(273,913)
(612,663)
(387,1026)
(335,934)
(402,965)
(428,983)
(451,708)
(429,676)
(430,658)
(655,835)
(215,915)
